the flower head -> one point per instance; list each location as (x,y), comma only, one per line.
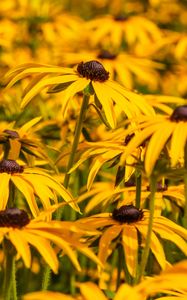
(115,230)
(169,130)
(31,182)
(90,75)
(21,231)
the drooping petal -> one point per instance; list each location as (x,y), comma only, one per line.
(4,189)
(45,83)
(154,147)
(107,104)
(178,142)
(128,292)
(130,246)
(44,248)
(105,242)
(90,291)
(27,190)
(71,90)
(17,238)
(155,246)
(60,242)
(97,164)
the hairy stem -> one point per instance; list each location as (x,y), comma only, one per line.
(78,130)
(146,250)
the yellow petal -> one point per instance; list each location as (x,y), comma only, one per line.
(44,83)
(61,243)
(97,164)
(130,246)
(4,189)
(27,190)
(90,291)
(71,90)
(44,248)
(178,142)
(154,147)
(105,242)
(17,238)
(128,292)
(47,295)
(106,102)
(156,246)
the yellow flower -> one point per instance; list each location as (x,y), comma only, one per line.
(161,128)
(16,226)
(92,74)
(110,30)
(121,66)
(124,227)
(31,182)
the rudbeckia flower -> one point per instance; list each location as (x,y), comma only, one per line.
(125,68)
(113,30)
(160,128)
(92,73)
(22,232)
(31,182)
(124,227)
(23,141)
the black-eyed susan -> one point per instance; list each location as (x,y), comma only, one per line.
(125,224)
(114,30)
(91,75)
(22,142)
(168,130)
(31,182)
(123,67)
(22,232)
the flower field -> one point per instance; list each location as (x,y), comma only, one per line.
(93,150)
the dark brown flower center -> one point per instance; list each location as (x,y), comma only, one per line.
(127,214)
(121,17)
(11,133)
(160,186)
(179,114)
(104,54)
(10,167)
(13,217)
(93,70)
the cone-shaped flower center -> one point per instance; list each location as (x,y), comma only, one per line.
(12,133)
(13,217)
(160,187)
(104,54)
(127,214)
(121,17)
(93,70)
(179,114)
(10,167)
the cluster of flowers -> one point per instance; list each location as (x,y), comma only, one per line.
(93,135)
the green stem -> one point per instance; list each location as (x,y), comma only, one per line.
(9,284)
(46,278)
(14,283)
(184,221)
(138,189)
(77,135)
(146,250)
(78,130)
